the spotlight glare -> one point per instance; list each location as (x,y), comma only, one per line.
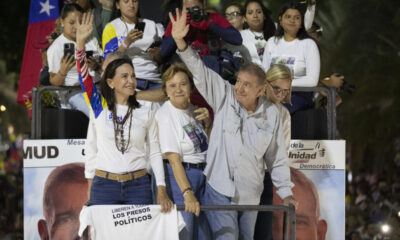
(3,108)
(385,228)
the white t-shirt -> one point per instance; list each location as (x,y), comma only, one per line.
(301,56)
(115,33)
(130,222)
(181,133)
(101,152)
(256,47)
(56,52)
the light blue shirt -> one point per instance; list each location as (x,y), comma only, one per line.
(240,143)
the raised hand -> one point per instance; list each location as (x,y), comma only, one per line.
(84,30)
(180,28)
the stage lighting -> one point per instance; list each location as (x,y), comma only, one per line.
(385,228)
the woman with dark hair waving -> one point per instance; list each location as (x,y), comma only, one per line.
(137,37)
(292,46)
(119,135)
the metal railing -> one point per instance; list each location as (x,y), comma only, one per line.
(289,215)
(38,91)
(36,124)
(330,109)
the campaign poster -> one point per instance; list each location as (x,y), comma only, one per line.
(318,172)
(41,158)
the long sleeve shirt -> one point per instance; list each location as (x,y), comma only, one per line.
(240,143)
(101,152)
(300,56)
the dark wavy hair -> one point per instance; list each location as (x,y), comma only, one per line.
(268,26)
(107,92)
(116,13)
(302,33)
(70,7)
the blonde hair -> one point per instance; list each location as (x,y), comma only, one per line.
(172,71)
(280,71)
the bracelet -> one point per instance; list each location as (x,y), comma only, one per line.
(124,44)
(189,189)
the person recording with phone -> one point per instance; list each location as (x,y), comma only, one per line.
(138,38)
(61,61)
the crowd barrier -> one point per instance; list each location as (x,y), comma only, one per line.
(37,92)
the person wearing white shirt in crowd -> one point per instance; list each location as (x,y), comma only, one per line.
(121,34)
(292,46)
(62,69)
(184,143)
(259,27)
(246,134)
(122,136)
(278,88)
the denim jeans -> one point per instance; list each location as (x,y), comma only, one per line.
(107,192)
(196,227)
(263,229)
(144,84)
(228,225)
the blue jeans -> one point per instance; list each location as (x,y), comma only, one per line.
(196,227)
(107,192)
(228,225)
(263,229)
(144,84)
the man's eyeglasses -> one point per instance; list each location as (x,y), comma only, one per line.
(233,14)
(278,90)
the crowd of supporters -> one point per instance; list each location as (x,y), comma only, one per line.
(11,189)
(243,35)
(372,206)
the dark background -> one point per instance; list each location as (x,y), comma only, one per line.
(361,40)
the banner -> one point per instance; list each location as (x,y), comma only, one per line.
(124,221)
(53,153)
(318,172)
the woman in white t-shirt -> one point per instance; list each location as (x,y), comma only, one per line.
(292,46)
(125,33)
(259,27)
(62,68)
(184,143)
(122,135)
